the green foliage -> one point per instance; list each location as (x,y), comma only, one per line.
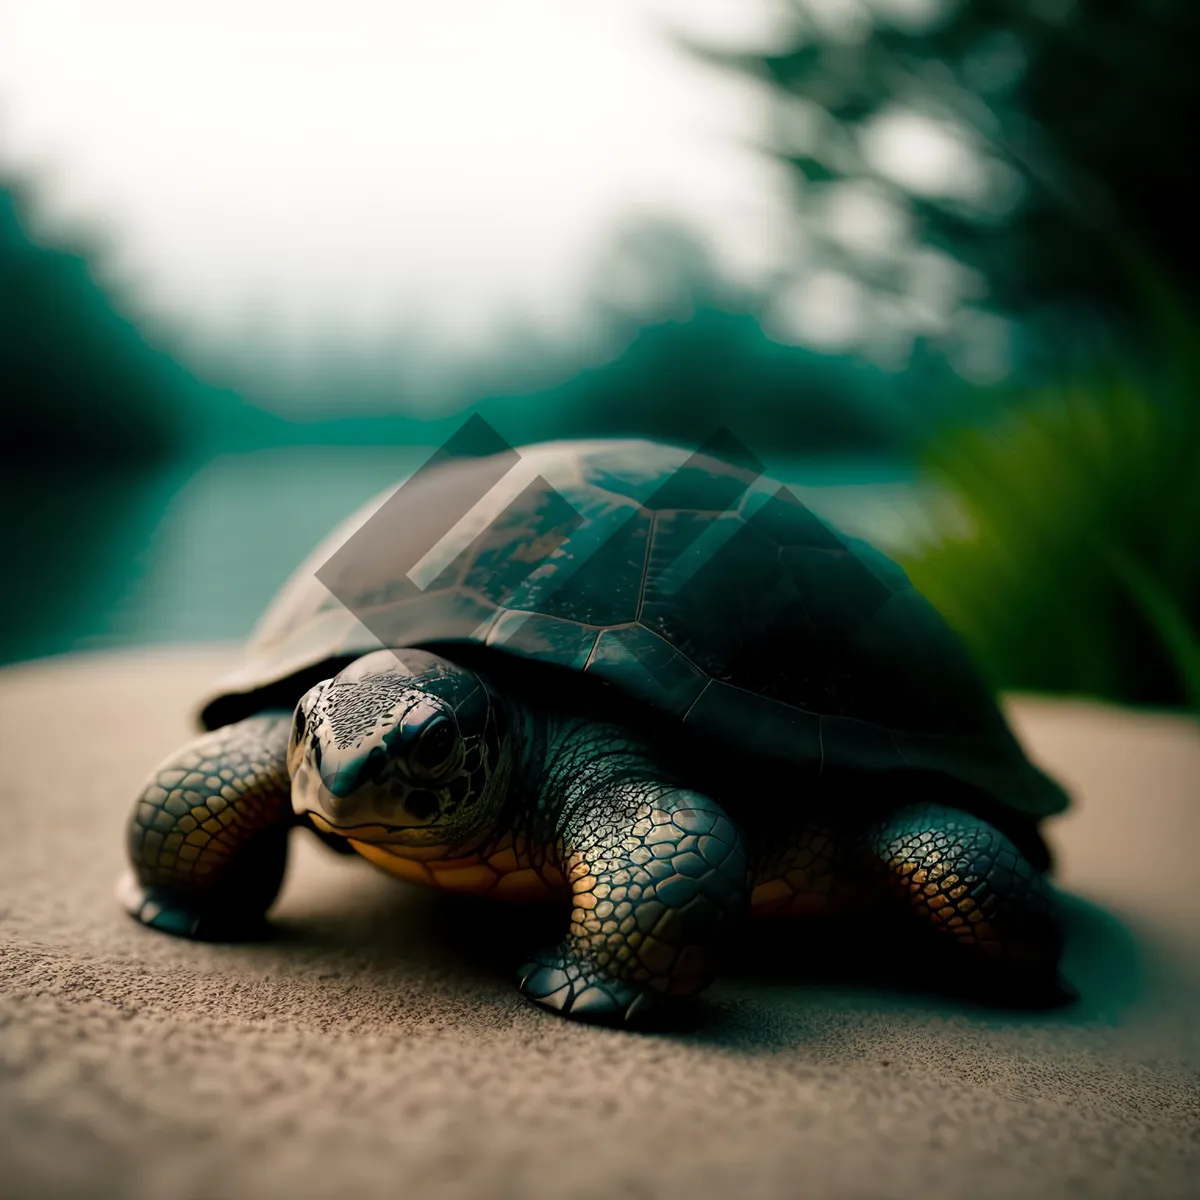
(1079,566)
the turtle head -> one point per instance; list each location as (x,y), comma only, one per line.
(401,747)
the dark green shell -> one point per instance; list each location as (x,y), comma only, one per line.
(714,596)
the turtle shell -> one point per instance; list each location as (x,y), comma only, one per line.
(697,586)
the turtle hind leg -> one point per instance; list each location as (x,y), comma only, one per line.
(982,898)
(207,838)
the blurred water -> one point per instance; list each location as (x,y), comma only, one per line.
(193,552)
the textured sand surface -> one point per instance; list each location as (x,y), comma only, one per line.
(376,1047)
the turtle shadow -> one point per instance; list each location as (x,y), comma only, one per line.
(401,926)
(784,976)
(787,977)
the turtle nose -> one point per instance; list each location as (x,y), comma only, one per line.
(344,775)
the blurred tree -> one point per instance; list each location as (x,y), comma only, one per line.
(688,356)
(679,380)
(75,376)
(80,381)
(965,160)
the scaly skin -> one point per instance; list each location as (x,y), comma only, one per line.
(970,884)
(658,874)
(207,838)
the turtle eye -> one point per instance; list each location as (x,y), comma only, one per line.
(435,746)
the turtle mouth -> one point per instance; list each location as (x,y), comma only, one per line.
(376,833)
(369,814)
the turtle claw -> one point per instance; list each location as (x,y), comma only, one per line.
(577,990)
(157,909)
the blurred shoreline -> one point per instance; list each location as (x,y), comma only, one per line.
(193,550)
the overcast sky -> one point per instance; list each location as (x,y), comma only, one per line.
(338,170)
(361,159)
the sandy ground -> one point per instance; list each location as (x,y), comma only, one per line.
(376,1047)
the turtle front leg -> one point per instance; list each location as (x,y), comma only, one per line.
(659,879)
(207,839)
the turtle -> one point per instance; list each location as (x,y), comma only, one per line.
(645,684)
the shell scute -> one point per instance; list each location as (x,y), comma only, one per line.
(700,588)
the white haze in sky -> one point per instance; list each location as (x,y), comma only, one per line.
(308,172)
(357,161)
